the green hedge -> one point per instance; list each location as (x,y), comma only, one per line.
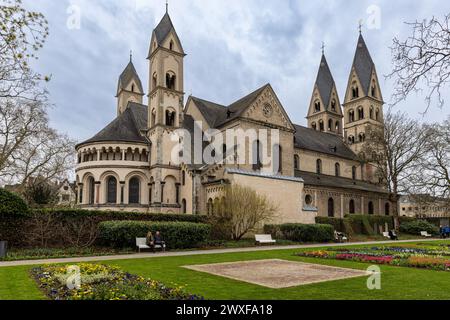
(62,228)
(415,227)
(12,205)
(357,223)
(178,235)
(302,232)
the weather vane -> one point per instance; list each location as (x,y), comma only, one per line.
(361,22)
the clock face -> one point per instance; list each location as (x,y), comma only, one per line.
(267,110)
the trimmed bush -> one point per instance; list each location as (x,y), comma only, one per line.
(415,227)
(303,232)
(178,235)
(337,223)
(12,205)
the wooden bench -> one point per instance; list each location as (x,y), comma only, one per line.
(425,234)
(141,244)
(264,239)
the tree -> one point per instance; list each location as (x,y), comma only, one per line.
(433,177)
(28,146)
(243,210)
(396,150)
(422,59)
(39,192)
(22,34)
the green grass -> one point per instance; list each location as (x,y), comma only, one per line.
(397,282)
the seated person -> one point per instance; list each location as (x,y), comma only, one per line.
(150,239)
(393,235)
(159,241)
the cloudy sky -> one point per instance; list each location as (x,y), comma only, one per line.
(233,47)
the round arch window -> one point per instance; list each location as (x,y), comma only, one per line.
(308,200)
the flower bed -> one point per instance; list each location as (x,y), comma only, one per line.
(101,282)
(431,257)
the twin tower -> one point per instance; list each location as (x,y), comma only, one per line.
(362,107)
(363,102)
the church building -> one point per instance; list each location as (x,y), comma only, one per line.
(128,166)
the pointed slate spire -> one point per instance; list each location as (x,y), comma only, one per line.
(363,64)
(162,31)
(128,75)
(325,81)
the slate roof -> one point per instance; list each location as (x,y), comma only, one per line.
(314,179)
(325,81)
(127,75)
(217,115)
(313,140)
(163,29)
(125,128)
(363,64)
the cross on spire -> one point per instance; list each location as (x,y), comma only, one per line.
(361,23)
(167,6)
(131,55)
(323,47)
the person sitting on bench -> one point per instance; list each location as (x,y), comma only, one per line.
(150,239)
(159,241)
(393,235)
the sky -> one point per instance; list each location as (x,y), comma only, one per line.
(233,47)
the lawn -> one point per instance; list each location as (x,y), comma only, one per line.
(397,282)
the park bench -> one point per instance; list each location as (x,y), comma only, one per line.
(264,239)
(141,244)
(425,234)
(386,235)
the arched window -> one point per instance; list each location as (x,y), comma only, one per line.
(183,206)
(351,206)
(170,118)
(354,173)
(210,206)
(331,207)
(360,113)
(314,126)
(351,116)
(170,80)
(296,162)
(351,139)
(317,106)
(91,190)
(111,191)
(308,200)
(132,87)
(321,126)
(371,210)
(355,92)
(171,45)
(374,91)
(387,209)
(183,177)
(319,166)
(154,81)
(330,125)
(362,137)
(257,163)
(134,191)
(333,105)
(277,159)
(337,169)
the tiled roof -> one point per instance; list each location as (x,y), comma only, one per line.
(125,128)
(127,75)
(325,82)
(313,140)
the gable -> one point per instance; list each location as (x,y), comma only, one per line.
(267,108)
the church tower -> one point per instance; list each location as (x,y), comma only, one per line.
(166,102)
(129,88)
(363,105)
(325,112)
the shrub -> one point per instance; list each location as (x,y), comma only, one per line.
(337,223)
(178,235)
(12,205)
(415,227)
(304,232)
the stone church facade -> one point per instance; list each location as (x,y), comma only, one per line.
(129,165)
